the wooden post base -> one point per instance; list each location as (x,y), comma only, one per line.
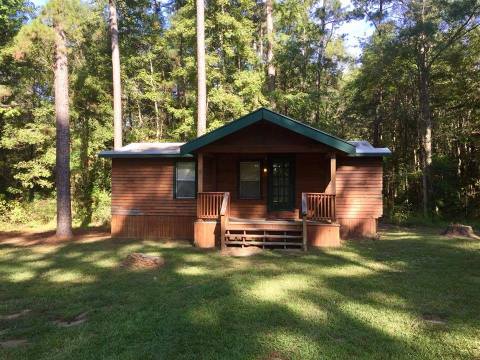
(323,235)
(205,233)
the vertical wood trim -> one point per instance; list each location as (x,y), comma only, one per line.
(200,172)
(332,186)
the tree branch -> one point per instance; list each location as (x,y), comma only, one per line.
(457,34)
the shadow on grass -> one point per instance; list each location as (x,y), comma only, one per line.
(365,300)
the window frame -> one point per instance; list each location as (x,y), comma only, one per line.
(260,162)
(175,166)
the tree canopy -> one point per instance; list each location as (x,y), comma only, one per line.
(415,88)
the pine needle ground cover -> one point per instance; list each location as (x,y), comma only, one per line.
(413,294)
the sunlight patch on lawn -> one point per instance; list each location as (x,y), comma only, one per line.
(280,287)
(30,256)
(383,318)
(71,276)
(350,270)
(106,263)
(131,248)
(401,235)
(20,276)
(194,258)
(39,264)
(307,310)
(193,270)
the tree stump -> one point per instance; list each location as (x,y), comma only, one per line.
(460,230)
(143,261)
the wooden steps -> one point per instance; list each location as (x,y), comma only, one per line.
(265,234)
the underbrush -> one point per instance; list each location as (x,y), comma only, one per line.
(41,213)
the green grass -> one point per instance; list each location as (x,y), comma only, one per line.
(367,299)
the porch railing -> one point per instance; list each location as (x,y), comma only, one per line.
(215,206)
(318,206)
(209,204)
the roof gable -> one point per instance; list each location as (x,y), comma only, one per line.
(275,118)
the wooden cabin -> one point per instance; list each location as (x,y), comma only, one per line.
(263,179)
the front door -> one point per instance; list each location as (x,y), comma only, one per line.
(281,184)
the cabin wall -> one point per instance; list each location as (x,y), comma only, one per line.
(143,203)
(359,195)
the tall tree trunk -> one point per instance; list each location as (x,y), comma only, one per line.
(62,167)
(270,65)
(260,43)
(117,89)
(201,72)
(378,118)
(426,116)
(378,107)
(158,122)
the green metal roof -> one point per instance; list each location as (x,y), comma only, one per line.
(275,118)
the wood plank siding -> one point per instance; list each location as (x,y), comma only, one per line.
(265,137)
(359,195)
(143,203)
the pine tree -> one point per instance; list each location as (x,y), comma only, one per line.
(201,71)
(117,86)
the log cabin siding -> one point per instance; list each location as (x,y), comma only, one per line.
(264,138)
(359,200)
(144,206)
(143,202)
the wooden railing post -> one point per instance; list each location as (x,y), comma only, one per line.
(304,220)
(224,214)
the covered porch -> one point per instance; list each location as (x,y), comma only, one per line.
(271,200)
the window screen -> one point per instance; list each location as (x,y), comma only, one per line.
(185,180)
(249,180)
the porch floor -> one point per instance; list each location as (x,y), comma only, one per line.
(266,221)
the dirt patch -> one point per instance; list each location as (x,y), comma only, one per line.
(143,261)
(459,230)
(242,252)
(8,344)
(31,238)
(15,315)
(77,320)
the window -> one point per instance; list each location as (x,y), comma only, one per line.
(185,180)
(249,180)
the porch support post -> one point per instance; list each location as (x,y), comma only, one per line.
(200,172)
(332,186)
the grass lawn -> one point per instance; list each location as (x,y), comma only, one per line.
(413,294)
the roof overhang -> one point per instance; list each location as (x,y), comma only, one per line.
(365,149)
(146,150)
(272,117)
